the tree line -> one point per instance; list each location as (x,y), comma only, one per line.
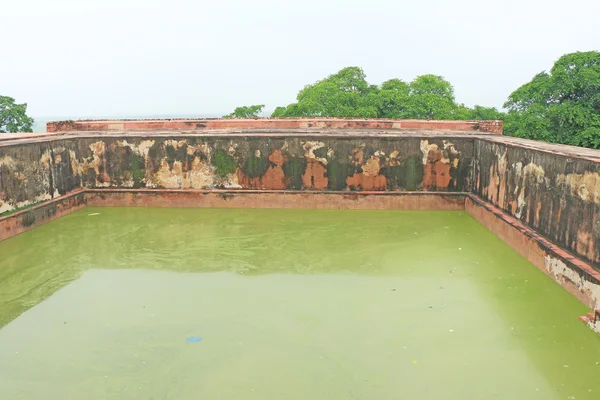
(561,105)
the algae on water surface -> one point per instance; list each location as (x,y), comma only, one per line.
(288,303)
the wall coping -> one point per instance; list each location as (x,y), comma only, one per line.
(201,124)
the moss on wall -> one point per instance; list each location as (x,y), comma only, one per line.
(224,163)
(255,166)
(293,169)
(337,173)
(412,173)
(138,169)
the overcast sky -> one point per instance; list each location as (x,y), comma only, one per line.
(196,57)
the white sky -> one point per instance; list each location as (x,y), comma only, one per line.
(182,57)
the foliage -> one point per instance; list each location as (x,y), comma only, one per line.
(485,113)
(13,117)
(561,106)
(348,94)
(392,99)
(344,94)
(246,111)
(431,97)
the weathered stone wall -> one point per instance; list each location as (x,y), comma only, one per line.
(293,163)
(34,172)
(39,171)
(558,195)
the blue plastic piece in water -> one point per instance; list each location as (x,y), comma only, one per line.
(193,339)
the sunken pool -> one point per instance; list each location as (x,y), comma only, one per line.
(158,303)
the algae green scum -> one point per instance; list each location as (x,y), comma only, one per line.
(137,303)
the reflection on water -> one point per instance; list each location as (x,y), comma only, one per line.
(290,304)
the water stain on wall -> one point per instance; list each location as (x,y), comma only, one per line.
(41,171)
(556,195)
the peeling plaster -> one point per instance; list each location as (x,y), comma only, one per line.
(142,149)
(426,148)
(175,143)
(562,273)
(535,172)
(200,176)
(309,151)
(7,161)
(585,186)
(372,167)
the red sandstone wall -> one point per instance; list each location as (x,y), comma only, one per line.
(494,127)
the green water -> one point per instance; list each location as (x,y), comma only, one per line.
(289,304)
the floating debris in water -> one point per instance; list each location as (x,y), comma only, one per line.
(193,339)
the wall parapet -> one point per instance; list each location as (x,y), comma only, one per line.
(489,127)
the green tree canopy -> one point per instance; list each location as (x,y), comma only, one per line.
(431,97)
(392,99)
(246,111)
(13,117)
(347,94)
(562,106)
(344,94)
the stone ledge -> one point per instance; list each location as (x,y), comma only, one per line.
(490,127)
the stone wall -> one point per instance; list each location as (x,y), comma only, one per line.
(39,171)
(558,195)
(35,172)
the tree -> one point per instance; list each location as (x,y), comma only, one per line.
(485,113)
(392,99)
(344,94)
(246,111)
(347,94)
(561,106)
(431,97)
(13,117)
